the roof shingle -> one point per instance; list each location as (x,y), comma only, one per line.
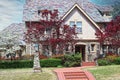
(31,8)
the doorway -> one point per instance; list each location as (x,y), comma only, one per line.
(80,49)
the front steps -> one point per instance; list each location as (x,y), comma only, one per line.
(75,76)
(88,64)
(74,73)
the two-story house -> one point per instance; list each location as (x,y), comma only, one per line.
(85,15)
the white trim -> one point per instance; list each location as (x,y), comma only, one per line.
(80,43)
(76,5)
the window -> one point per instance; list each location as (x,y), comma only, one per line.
(108,14)
(78,26)
(72,23)
(92,47)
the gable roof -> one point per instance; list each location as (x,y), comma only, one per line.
(31,8)
(84,13)
(107,8)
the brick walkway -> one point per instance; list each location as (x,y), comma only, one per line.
(74,73)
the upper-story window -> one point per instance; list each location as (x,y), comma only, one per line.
(78,25)
(72,23)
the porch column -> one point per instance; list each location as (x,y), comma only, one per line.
(119,51)
(28,49)
(98,50)
(107,49)
(50,51)
(86,53)
(74,49)
(40,49)
(101,49)
(70,48)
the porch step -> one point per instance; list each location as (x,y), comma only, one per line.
(88,64)
(75,76)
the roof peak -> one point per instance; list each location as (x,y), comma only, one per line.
(31,8)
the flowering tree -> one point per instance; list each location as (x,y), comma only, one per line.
(8,43)
(50,31)
(11,40)
(111,35)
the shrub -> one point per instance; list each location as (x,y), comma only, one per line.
(71,60)
(111,58)
(51,62)
(103,62)
(117,61)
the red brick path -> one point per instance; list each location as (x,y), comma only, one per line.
(73,74)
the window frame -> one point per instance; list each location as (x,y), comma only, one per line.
(73,24)
(80,27)
(92,47)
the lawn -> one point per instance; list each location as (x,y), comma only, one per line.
(106,72)
(27,74)
(100,72)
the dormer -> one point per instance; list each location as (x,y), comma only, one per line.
(107,14)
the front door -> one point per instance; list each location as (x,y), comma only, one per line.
(80,49)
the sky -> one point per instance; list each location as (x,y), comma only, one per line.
(104,2)
(11,11)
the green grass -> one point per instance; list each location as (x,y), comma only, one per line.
(101,73)
(106,72)
(27,74)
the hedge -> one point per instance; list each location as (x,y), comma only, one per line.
(104,62)
(51,62)
(117,61)
(16,64)
(29,63)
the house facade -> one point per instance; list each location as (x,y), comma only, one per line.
(11,41)
(87,17)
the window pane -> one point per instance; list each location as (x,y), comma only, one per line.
(79,30)
(72,23)
(79,27)
(79,24)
